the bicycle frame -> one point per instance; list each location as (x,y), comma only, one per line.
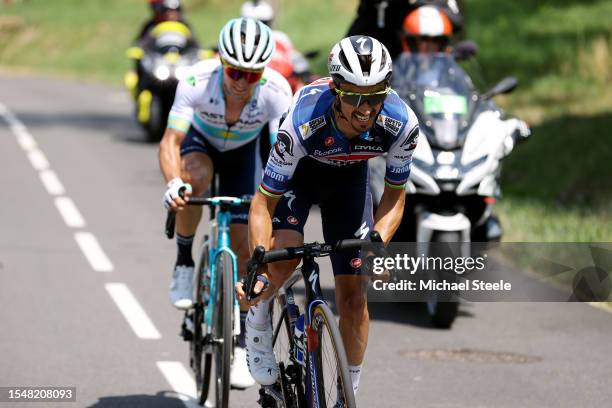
(219,231)
(314,296)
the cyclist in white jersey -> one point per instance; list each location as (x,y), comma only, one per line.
(219,111)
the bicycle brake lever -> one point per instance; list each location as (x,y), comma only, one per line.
(252,267)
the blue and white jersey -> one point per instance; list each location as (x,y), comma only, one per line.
(309,130)
(199,102)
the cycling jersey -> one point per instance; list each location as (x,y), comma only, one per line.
(199,102)
(309,131)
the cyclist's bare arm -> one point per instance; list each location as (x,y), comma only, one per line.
(170,158)
(390,212)
(260,220)
(169,153)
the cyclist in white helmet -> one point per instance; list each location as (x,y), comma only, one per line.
(333,127)
(218,113)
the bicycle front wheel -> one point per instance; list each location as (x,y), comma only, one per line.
(224,343)
(333,382)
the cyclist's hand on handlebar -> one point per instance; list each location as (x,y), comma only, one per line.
(176,195)
(260,287)
(254,284)
(376,273)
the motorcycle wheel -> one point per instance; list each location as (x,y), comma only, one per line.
(442,310)
(156,126)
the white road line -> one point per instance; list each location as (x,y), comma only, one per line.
(24,138)
(132,311)
(38,159)
(70,213)
(179,379)
(93,252)
(52,183)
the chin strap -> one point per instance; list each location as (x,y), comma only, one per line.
(338,111)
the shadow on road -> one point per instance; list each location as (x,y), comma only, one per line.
(410,313)
(161,399)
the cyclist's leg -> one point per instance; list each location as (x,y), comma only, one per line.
(347,213)
(197,170)
(288,224)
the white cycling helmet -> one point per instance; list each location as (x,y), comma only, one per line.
(259,10)
(246,43)
(360,60)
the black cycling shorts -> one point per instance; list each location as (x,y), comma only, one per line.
(342,193)
(239,169)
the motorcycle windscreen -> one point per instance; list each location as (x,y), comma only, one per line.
(445,111)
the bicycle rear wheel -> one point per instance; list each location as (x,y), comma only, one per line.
(224,343)
(333,387)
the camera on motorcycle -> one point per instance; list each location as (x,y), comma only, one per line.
(504,86)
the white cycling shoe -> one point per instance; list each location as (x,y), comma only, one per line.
(260,354)
(240,377)
(181,287)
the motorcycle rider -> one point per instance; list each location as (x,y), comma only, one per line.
(219,110)
(428,30)
(163,10)
(382,19)
(286,60)
(333,127)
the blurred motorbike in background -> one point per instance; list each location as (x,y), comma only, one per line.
(455,172)
(162,59)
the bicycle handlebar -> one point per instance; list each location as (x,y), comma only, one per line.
(211,202)
(261,257)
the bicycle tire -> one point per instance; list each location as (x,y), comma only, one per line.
(223,329)
(323,321)
(201,370)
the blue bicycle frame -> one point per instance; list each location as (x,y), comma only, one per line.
(220,245)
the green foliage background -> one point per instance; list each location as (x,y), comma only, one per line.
(558,186)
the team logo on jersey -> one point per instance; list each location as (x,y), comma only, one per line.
(309,128)
(284,144)
(411,140)
(356,262)
(292,220)
(329,140)
(191,80)
(391,125)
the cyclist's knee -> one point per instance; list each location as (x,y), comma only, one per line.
(280,271)
(197,171)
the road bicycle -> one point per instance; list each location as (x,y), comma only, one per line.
(212,325)
(310,353)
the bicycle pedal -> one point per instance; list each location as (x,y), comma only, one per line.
(187,329)
(269,396)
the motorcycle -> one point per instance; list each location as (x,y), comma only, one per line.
(454,178)
(162,59)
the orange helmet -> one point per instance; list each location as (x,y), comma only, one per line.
(427,22)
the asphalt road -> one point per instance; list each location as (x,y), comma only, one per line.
(61,310)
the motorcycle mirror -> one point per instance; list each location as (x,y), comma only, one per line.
(504,86)
(465,50)
(312,54)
